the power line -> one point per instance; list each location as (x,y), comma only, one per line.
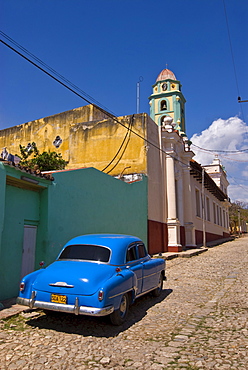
(76,88)
(232,159)
(88,99)
(231,49)
(118,151)
(220,151)
(53,71)
(232,56)
(241,186)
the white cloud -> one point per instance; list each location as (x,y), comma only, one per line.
(245,172)
(238,192)
(226,135)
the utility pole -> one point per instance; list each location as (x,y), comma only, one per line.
(203,211)
(138,93)
(239,221)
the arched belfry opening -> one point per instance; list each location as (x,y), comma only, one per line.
(163,105)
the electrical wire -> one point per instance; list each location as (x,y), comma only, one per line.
(128,139)
(241,186)
(232,57)
(88,99)
(221,151)
(118,151)
(110,115)
(91,99)
(232,159)
(231,48)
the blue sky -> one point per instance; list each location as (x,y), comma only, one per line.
(103,47)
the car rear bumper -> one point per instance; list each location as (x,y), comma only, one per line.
(76,309)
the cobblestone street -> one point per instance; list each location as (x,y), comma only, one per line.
(199,322)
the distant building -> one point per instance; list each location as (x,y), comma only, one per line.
(187,203)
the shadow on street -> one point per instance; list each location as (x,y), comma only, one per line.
(93,326)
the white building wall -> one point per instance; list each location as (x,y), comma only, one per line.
(218,211)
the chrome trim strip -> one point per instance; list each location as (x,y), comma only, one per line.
(146,276)
(116,295)
(61,284)
(143,293)
(147,291)
(82,310)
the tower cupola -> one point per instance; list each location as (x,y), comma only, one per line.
(167,100)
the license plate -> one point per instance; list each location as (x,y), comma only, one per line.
(57,298)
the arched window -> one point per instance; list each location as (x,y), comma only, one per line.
(163,105)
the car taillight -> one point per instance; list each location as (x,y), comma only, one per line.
(22,287)
(100,295)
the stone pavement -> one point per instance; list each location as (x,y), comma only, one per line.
(199,322)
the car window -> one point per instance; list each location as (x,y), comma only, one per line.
(131,254)
(86,252)
(142,250)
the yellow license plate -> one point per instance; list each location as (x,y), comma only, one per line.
(57,298)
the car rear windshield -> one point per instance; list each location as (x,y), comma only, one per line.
(85,252)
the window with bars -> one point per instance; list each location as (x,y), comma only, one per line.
(197,203)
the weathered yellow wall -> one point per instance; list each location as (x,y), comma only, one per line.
(89,139)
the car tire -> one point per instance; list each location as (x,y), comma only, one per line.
(119,316)
(156,292)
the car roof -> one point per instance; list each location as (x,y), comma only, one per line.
(118,244)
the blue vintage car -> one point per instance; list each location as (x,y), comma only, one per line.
(95,275)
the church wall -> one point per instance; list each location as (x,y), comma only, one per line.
(157,207)
(156,187)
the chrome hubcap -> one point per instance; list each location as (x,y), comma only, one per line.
(123,305)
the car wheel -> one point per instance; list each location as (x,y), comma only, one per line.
(156,292)
(119,316)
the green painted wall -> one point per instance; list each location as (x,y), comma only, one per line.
(2,211)
(18,207)
(77,202)
(89,201)
(21,206)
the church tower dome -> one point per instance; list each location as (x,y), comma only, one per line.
(166,74)
(167,100)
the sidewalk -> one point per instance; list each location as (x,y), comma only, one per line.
(192,252)
(9,308)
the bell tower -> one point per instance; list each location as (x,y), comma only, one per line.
(167,100)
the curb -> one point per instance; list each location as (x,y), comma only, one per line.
(185,254)
(6,313)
